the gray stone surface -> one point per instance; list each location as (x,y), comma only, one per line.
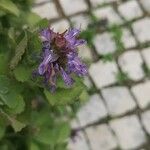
(78,143)
(109,13)
(132,68)
(142,93)
(129,132)
(60,26)
(127,39)
(92,111)
(145,4)
(118,100)
(101,137)
(85,52)
(146,55)
(104,44)
(146,121)
(103,73)
(141,29)
(47,10)
(73,6)
(80,21)
(130,10)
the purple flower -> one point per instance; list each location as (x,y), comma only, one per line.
(60,57)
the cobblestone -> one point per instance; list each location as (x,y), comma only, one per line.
(85,53)
(104,44)
(145,4)
(129,132)
(109,14)
(141,29)
(80,21)
(132,68)
(73,6)
(142,93)
(101,137)
(118,100)
(146,120)
(127,39)
(60,26)
(103,73)
(130,10)
(47,10)
(146,56)
(92,111)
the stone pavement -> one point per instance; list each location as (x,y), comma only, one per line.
(117,116)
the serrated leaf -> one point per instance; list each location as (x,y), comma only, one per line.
(9,94)
(9,6)
(20,50)
(17,125)
(22,73)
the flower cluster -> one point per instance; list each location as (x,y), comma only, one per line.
(60,56)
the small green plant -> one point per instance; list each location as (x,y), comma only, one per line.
(122,77)
(117,36)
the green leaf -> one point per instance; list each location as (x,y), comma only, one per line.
(59,134)
(9,94)
(32,18)
(64,96)
(9,7)
(3,62)
(17,125)
(22,73)
(33,146)
(2,128)
(20,50)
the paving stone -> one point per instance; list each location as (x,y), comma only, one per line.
(96,3)
(127,39)
(129,132)
(118,100)
(146,5)
(108,13)
(132,68)
(104,44)
(47,10)
(80,21)
(92,111)
(141,29)
(78,143)
(146,120)
(101,137)
(142,93)
(130,10)
(103,73)
(60,26)
(85,52)
(73,6)
(146,56)
(74,124)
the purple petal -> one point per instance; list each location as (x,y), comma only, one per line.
(67,79)
(51,57)
(72,33)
